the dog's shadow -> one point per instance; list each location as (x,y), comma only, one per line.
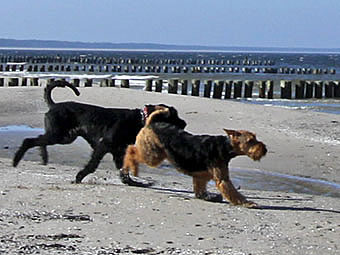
(185,194)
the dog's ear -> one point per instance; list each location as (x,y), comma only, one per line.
(232,133)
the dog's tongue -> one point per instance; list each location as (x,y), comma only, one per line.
(145,112)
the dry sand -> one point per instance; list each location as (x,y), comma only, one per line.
(41,212)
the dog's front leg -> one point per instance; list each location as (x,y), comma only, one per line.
(230,193)
(131,163)
(97,155)
(227,189)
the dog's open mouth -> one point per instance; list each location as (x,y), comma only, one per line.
(145,113)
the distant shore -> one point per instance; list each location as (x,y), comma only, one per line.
(100,46)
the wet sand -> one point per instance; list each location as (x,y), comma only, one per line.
(41,211)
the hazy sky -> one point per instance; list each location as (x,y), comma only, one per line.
(273,23)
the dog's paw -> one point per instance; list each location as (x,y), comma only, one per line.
(75,182)
(251,205)
(211,197)
(126,179)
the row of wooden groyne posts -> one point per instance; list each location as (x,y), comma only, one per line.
(197,77)
(218,89)
(160,66)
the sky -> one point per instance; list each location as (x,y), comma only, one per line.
(244,23)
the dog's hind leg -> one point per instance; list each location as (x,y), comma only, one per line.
(200,182)
(131,163)
(27,144)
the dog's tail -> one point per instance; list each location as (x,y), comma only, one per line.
(158,116)
(58,83)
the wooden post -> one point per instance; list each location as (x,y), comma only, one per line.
(318,89)
(23,82)
(228,86)
(173,86)
(76,82)
(286,89)
(148,85)
(270,87)
(195,91)
(207,88)
(159,85)
(329,89)
(299,90)
(104,83)
(336,89)
(248,89)
(125,83)
(218,89)
(309,90)
(13,82)
(184,87)
(112,83)
(88,82)
(237,89)
(34,81)
(262,89)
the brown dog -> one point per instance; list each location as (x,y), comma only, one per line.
(204,157)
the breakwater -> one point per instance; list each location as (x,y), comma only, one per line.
(221,78)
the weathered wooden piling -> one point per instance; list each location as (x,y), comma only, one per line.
(159,85)
(300,90)
(228,88)
(286,89)
(248,89)
(195,91)
(112,83)
(237,89)
(172,86)
(88,83)
(318,87)
(125,83)
(76,82)
(262,89)
(207,88)
(329,89)
(184,84)
(148,85)
(24,82)
(34,82)
(270,89)
(218,89)
(309,90)
(336,89)
(13,82)
(104,83)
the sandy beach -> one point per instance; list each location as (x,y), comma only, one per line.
(42,212)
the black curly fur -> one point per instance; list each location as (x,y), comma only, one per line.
(107,130)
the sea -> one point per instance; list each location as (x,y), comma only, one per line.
(290,59)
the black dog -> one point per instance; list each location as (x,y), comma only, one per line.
(107,130)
